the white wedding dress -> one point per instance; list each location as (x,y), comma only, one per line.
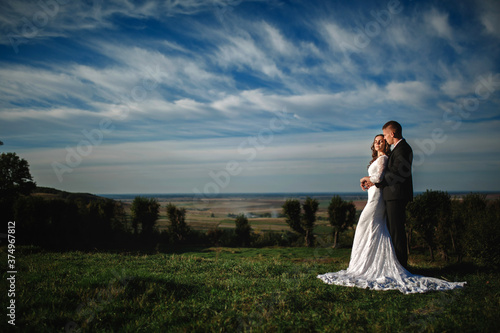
(373,263)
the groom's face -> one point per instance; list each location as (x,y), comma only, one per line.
(388,135)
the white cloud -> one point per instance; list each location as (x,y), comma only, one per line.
(455,87)
(22,84)
(439,23)
(38,20)
(188,73)
(410,92)
(278,41)
(490,12)
(339,39)
(228,104)
(242,52)
(44,114)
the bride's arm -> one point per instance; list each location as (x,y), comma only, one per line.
(378,175)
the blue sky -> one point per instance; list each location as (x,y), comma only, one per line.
(209,96)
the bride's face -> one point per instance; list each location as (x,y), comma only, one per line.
(379,143)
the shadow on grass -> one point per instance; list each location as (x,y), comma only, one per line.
(459,269)
(142,288)
(158,289)
(130,300)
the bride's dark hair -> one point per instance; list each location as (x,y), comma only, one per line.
(387,149)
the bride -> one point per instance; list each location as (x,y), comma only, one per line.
(373,263)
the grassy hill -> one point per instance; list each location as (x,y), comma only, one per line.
(235,290)
(52,193)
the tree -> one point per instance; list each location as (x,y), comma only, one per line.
(63,225)
(341,215)
(104,216)
(243,230)
(52,223)
(444,224)
(301,223)
(292,212)
(481,236)
(15,180)
(310,207)
(146,212)
(429,214)
(177,217)
(15,177)
(31,214)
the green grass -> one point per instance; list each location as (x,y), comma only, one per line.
(231,290)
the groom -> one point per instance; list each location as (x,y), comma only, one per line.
(397,187)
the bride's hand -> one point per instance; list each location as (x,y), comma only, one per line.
(362,185)
(365,183)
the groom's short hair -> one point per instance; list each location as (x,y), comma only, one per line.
(396,127)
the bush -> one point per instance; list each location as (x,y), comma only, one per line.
(222,237)
(243,230)
(177,218)
(430,216)
(67,224)
(145,211)
(301,223)
(469,226)
(482,230)
(273,238)
(341,215)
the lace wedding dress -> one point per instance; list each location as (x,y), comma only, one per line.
(373,263)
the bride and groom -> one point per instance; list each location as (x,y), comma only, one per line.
(379,251)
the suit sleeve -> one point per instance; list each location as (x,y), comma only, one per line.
(398,183)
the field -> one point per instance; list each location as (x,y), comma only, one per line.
(234,290)
(263,211)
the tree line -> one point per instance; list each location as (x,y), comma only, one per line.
(447,227)
(464,227)
(461,227)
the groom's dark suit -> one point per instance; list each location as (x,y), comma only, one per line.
(397,191)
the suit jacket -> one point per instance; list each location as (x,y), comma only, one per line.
(397,183)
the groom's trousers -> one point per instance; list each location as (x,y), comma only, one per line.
(396,219)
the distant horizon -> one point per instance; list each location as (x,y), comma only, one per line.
(278,193)
(346,193)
